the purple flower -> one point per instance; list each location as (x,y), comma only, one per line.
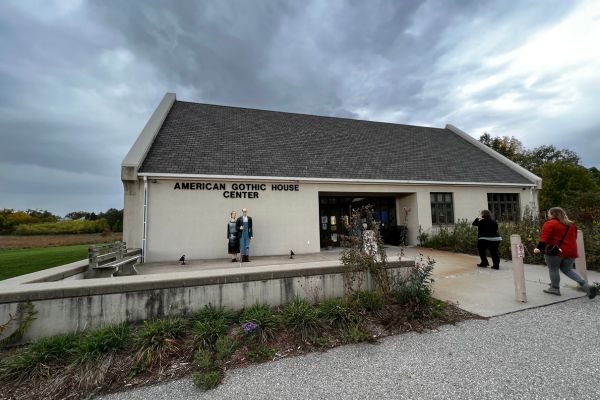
(249,327)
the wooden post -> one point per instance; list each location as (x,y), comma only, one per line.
(518,253)
(580,264)
(93,256)
(119,250)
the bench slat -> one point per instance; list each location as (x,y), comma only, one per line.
(117,263)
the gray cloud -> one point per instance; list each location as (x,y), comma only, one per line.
(80,80)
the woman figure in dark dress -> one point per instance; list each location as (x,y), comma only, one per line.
(233,246)
(487,238)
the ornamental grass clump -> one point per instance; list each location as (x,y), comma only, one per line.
(336,312)
(103,341)
(301,317)
(40,355)
(156,338)
(259,321)
(211,323)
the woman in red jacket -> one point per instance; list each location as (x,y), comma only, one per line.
(557,228)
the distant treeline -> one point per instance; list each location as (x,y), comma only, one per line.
(42,222)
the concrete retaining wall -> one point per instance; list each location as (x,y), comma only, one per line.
(75,305)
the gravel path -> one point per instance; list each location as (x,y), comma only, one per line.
(529,354)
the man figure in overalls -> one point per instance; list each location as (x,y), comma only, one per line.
(244,226)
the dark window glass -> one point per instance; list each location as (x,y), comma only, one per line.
(442,208)
(504,206)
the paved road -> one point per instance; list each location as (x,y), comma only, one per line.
(551,352)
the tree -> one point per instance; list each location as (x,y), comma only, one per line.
(509,147)
(75,215)
(540,156)
(114,218)
(565,182)
(567,185)
(595,175)
(43,215)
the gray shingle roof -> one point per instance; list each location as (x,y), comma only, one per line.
(217,140)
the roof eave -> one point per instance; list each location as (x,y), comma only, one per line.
(163,175)
(134,159)
(537,181)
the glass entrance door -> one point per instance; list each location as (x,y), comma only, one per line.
(334,211)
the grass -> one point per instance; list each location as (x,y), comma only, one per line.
(154,338)
(45,351)
(211,323)
(24,261)
(336,312)
(262,315)
(301,317)
(106,340)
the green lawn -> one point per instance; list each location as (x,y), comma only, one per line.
(24,261)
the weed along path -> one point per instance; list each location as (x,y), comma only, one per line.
(547,352)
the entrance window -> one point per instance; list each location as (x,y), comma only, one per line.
(442,208)
(335,211)
(504,206)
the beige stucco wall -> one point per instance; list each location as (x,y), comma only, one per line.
(133,213)
(193,222)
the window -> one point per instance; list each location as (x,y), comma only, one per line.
(504,206)
(442,208)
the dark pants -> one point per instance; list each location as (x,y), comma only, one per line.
(482,245)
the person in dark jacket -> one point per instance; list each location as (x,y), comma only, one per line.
(487,238)
(245,233)
(557,228)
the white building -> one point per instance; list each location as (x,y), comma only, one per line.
(299,176)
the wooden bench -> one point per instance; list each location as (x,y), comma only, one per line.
(113,259)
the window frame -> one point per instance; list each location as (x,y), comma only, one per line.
(441,207)
(505,206)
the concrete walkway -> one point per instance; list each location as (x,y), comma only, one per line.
(482,291)
(489,292)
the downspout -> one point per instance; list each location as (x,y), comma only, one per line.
(145,233)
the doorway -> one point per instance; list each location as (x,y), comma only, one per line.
(335,211)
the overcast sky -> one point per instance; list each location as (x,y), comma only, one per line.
(79,80)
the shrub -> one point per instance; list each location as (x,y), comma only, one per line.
(225,347)
(203,360)
(301,317)
(336,312)
(110,339)
(364,256)
(371,301)
(358,333)
(63,227)
(261,354)
(266,322)
(413,290)
(208,380)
